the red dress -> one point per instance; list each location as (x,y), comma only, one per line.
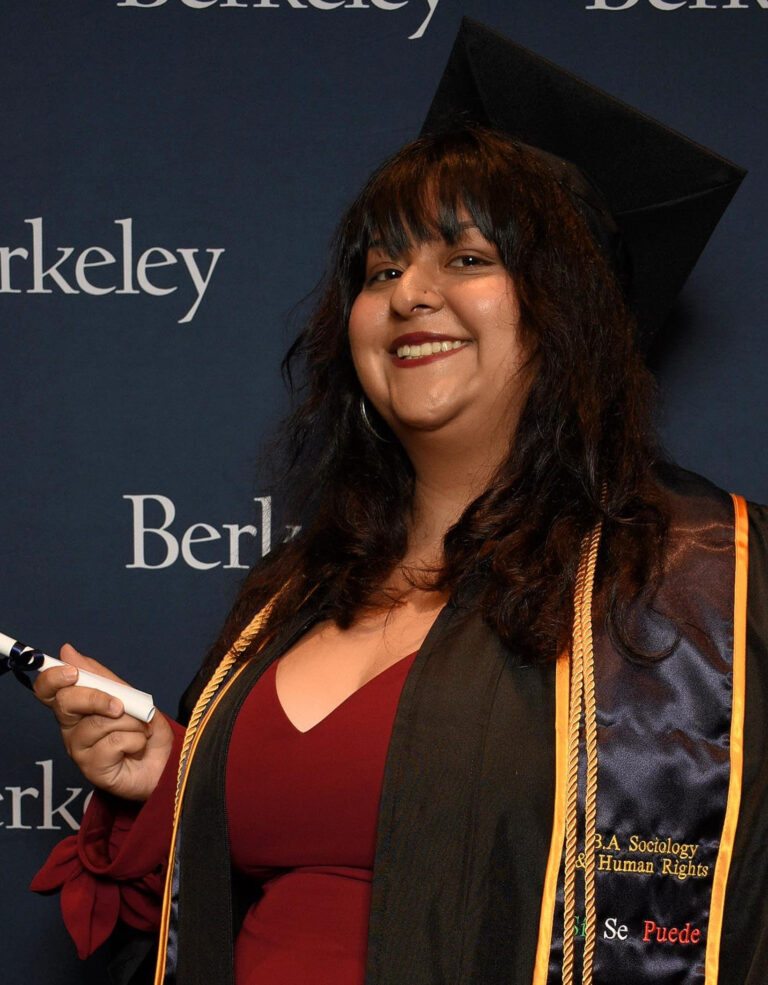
(302,810)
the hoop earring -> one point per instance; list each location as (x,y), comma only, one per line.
(367,422)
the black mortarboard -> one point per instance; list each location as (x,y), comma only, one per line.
(665,192)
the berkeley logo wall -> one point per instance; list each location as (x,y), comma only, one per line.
(387,5)
(23,269)
(159,543)
(39,806)
(677,4)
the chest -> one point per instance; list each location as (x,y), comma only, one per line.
(328,664)
(311,798)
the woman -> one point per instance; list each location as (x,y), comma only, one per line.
(381,756)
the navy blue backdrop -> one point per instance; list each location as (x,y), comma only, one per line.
(171,174)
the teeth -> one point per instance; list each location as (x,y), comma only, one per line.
(427,349)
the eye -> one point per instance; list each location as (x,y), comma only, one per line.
(382,275)
(469,260)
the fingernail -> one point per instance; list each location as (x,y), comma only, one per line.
(69,674)
(115,707)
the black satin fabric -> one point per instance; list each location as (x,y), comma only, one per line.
(663,752)
(467,803)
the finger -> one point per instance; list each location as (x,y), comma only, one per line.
(89,731)
(113,749)
(76,659)
(70,704)
(102,759)
(48,683)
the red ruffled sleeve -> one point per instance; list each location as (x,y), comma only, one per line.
(114,867)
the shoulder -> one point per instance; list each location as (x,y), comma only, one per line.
(673,481)
(683,490)
(691,500)
(689,496)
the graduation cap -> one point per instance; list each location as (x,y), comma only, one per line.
(665,192)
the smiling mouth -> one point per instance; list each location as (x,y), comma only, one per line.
(417,348)
(426,349)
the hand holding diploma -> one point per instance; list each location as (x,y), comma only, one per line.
(114,751)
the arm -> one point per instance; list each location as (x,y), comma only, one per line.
(114,867)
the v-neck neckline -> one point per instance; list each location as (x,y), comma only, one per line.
(341,704)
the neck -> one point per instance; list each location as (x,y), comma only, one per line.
(449,476)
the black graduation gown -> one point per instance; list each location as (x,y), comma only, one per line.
(466,811)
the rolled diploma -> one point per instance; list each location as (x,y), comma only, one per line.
(139,704)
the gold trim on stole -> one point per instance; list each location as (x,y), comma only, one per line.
(725,851)
(549,894)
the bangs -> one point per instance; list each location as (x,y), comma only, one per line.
(430,192)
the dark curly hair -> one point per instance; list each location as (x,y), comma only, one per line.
(583,447)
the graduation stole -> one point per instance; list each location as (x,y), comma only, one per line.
(648,772)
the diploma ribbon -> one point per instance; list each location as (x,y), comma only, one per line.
(20,661)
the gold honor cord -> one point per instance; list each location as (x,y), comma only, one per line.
(244,639)
(581,702)
(203,704)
